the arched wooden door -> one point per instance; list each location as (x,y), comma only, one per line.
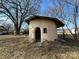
(37,35)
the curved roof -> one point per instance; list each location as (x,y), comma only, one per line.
(58,22)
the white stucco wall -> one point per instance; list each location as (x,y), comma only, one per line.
(41,23)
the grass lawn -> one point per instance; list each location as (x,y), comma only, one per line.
(18,47)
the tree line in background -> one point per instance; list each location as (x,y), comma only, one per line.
(5,27)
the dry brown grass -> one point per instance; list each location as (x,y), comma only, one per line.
(18,47)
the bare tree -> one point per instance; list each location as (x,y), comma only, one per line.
(19,10)
(6,26)
(67,11)
(75,17)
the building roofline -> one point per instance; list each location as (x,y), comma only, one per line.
(57,21)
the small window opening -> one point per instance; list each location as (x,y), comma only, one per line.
(45,30)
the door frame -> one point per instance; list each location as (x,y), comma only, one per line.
(37,34)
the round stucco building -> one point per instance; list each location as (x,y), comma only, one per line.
(43,28)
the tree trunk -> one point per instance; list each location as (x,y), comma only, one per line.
(63,33)
(17,30)
(75,17)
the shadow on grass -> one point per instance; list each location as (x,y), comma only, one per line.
(70,42)
(49,47)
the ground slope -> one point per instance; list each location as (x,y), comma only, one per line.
(18,47)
